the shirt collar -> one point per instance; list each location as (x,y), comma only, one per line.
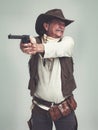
(46,38)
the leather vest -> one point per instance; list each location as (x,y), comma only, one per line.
(67,78)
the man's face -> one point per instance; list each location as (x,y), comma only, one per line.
(55,28)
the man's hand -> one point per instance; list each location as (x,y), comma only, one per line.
(32,48)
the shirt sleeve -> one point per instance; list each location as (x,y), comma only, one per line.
(64,48)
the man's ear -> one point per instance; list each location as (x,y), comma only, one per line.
(46,26)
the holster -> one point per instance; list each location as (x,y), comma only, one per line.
(63,109)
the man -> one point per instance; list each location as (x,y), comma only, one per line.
(51,81)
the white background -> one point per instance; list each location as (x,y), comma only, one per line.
(18,17)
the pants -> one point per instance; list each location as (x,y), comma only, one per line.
(41,120)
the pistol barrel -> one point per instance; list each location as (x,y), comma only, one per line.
(15,36)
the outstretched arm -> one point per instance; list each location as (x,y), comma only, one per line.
(59,49)
(50,49)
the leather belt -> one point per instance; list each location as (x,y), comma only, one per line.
(47,103)
(56,111)
(43,102)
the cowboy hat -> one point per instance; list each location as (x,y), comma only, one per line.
(49,15)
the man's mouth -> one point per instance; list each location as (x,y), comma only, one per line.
(59,30)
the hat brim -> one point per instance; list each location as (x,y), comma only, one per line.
(45,18)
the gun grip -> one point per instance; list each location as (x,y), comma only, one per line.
(25,39)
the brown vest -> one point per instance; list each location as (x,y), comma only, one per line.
(67,78)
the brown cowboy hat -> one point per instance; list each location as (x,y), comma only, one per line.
(49,15)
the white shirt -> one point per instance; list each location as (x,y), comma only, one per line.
(49,85)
